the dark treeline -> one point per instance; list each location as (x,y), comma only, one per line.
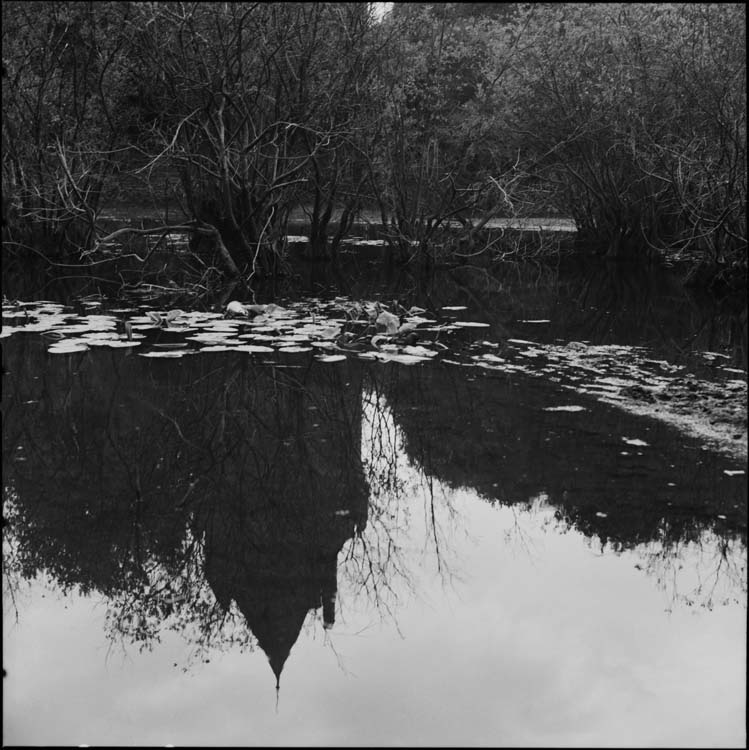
(629,118)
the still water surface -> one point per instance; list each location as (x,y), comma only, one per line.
(252,547)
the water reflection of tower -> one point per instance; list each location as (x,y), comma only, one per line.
(297,494)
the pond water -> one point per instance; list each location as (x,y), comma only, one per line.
(315,524)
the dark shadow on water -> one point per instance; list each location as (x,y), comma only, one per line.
(495,433)
(109,460)
(595,300)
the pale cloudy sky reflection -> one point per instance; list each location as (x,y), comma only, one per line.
(531,640)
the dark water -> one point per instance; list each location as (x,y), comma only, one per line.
(416,554)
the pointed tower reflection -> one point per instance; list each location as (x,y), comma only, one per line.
(272,546)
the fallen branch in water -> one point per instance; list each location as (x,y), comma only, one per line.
(203,228)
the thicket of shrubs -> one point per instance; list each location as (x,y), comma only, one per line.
(630,118)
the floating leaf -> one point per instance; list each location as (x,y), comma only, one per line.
(218,337)
(377,340)
(419,351)
(331,357)
(634,441)
(322,331)
(258,337)
(67,347)
(403,359)
(101,340)
(169,354)
(490,358)
(252,348)
(418,320)
(437,329)
(454,307)
(470,324)
(733,472)
(294,337)
(262,328)
(564,408)
(118,344)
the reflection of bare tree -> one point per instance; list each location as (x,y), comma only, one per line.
(708,572)
(186,495)
(181,601)
(12,572)
(407,507)
(212,498)
(373,561)
(490,432)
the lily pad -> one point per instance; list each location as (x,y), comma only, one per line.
(168,354)
(403,359)
(253,348)
(67,347)
(419,351)
(117,344)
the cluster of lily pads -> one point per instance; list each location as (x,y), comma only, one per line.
(333,329)
(626,377)
(610,372)
(339,328)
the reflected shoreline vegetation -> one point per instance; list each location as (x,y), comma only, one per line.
(256,480)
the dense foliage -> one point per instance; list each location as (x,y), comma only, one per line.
(629,118)
(634,119)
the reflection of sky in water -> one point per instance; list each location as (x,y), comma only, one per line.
(480,624)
